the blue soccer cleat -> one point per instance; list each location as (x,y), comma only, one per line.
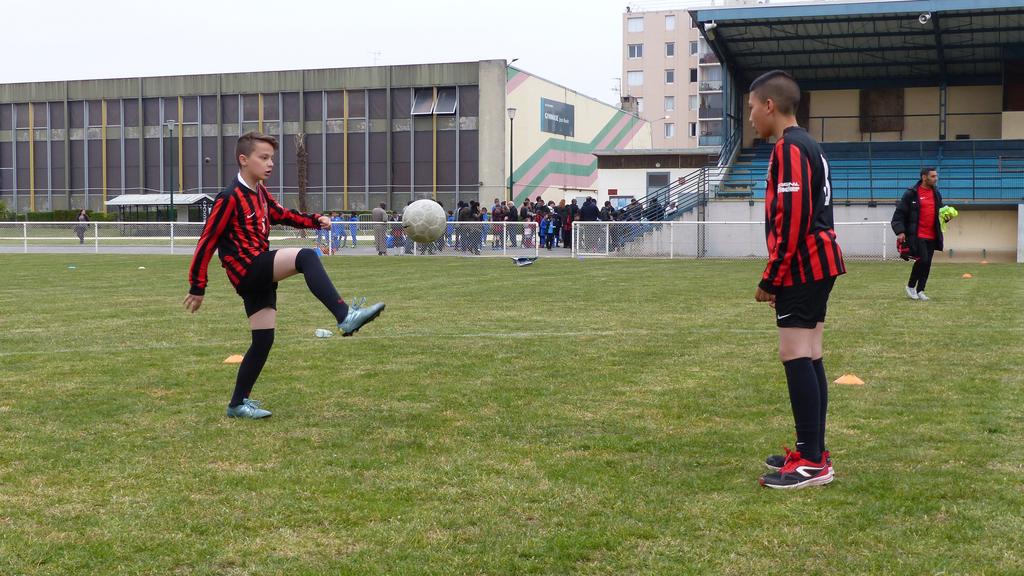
(358,316)
(247,410)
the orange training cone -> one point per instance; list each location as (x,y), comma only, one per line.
(967,275)
(849,379)
(233,359)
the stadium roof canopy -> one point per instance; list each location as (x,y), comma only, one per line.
(158,200)
(867,44)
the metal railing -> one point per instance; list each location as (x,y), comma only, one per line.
(731,240)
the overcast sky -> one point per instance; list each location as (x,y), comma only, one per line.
(572,42)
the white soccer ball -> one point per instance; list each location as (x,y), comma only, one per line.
(424,221)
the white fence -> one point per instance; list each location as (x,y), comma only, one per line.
(858,240)
(460,238)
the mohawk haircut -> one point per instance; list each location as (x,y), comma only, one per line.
(247,141)
(779,87)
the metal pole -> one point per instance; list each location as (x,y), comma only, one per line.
(511,150)
(24,234)
(174,168)
(885,242)
(671,240)
(96,234)
(172,234)
(607,237)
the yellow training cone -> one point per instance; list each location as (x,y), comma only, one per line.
(967,275)
(849,379)
(984,261)
(233,359)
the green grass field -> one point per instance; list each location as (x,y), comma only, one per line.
(590,417)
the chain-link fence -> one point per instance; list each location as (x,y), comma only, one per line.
(639,239)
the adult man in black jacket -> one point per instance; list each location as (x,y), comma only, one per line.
(916,222)
(590,212)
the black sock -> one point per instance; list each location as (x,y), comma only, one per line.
(252,364)
(819,370)
(319,284)
(804,398)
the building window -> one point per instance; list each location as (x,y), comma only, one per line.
(670,130)
(694,101)
(693,74)
(670,49)
(670,22)
(670,103)
(635,78)
(670,76)
(636,50)
(635,24)
(693,129)
(693,48)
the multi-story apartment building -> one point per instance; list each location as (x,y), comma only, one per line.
(674,76)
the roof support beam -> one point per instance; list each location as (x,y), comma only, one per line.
(938,48)
(840,36)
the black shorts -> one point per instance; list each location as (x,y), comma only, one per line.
(804,305)
(257,288)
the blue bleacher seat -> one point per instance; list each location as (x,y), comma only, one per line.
(969,170)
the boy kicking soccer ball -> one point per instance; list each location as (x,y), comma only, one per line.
(238,228)
(803,262)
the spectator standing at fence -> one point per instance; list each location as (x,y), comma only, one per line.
(543,229)
(804,260)
(607,212)
(238,230)
(380,231)
(512,219)
(525,211)
(353,227)
(337,231)
(485,228)
(83,219)
(916,222)
(449,229)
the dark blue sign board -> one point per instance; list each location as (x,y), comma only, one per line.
(557,117)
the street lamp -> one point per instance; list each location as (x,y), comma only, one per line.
(170,131)
(653,122)
(511,148)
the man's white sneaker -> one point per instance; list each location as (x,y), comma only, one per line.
(922,297)
(912,293)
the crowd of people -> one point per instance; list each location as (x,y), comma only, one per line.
(533,224)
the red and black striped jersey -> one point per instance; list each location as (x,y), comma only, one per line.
(798,224)
(238,228)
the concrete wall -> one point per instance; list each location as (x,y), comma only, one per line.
(492,131)
(552,165)
(864,232)
(1013,125)
(1020,233)
(987,234)
(633,182)
(826,105)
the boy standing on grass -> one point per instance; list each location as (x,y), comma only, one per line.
(803,262)
(238,228)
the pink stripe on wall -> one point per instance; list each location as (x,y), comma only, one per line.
(515,82)
(555,156)
(561,181)
(613,132)
(629,137)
